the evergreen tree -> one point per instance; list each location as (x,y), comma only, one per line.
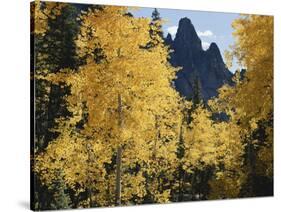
(54,50)
(183,191)
(61,199)
(54,28)
(155,31)
(196,92)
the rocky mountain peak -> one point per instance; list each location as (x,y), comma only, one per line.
(206,68)
(186,35)
(214,48)
(169,39)
(214,52)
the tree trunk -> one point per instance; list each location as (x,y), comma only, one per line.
(119,157)
(89,173)
(156,138)
(251,165)
(118,176)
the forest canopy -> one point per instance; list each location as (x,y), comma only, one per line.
(112,130)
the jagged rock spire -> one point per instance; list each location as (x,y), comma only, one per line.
(206,66)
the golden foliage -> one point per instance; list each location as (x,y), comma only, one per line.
(142,77)
(123,98)
(42,11)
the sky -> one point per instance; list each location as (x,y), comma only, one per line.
(210,26)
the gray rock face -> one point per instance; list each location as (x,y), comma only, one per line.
(204,68)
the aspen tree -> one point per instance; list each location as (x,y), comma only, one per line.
(249,102)
(123,92)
